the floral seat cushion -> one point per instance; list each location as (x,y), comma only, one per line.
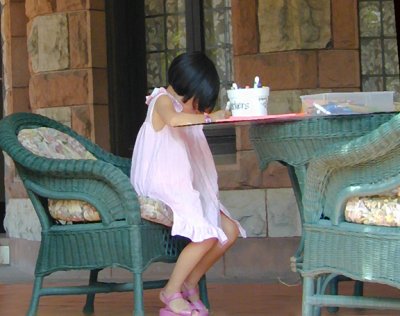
(71,211)
(381,210)
(155,211)
(51,143)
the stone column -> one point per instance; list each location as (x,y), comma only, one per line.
(296,46)
(55,65)
(16,99)
(68,63)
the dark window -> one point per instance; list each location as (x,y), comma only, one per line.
(142,39)
(379,46)
(126,66)
(175,26)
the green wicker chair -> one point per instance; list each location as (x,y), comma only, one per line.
(121,239)
(333,247)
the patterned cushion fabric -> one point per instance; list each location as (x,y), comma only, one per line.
(70,211)
(381,210)
(155,211)
(75,211)
(51,143)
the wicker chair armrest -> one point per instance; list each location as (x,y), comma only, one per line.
(72,178)
(12,124)
(355,157)
(82,179)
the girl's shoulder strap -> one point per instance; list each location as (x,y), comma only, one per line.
(157,92)
(151,99)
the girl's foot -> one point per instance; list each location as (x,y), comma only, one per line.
(192,295)
(175,304)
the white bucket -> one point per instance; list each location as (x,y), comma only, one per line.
(248,102)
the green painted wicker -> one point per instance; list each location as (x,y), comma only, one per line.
(122,239)
(366,165)
(295,143)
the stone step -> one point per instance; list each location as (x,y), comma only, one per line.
(4,250)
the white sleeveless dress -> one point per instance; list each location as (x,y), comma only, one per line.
(175,165)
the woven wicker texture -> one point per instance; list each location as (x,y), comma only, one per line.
(365,165)
(295,143)
(121,239)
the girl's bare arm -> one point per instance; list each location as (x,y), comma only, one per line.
(165,114)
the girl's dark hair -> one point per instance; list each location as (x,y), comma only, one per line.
(193,75)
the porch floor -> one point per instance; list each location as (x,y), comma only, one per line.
(239,298)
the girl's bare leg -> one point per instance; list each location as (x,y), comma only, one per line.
(187,261)
(214,254)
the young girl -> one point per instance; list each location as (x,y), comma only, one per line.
(174,165)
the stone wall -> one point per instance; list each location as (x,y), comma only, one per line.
(68,64)
(297,44)
(297,47)
(55,64)
(16,86)
(67,78)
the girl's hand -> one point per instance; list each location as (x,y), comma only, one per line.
(220,115)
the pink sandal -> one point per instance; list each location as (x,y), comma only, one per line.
(198,305)
(167,311)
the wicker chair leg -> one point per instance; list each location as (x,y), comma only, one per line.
(333,290)
(37,286)
(89,306)
(138,295)
(358,288)
(308,291)
(203,292)
(316,310)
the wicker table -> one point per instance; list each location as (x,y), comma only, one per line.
(295,142)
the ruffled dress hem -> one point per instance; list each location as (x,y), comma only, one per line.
(197,233)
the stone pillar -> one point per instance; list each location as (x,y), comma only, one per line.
(296,47)
(56,65)
(15,57)
(16,96)
(68,64)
